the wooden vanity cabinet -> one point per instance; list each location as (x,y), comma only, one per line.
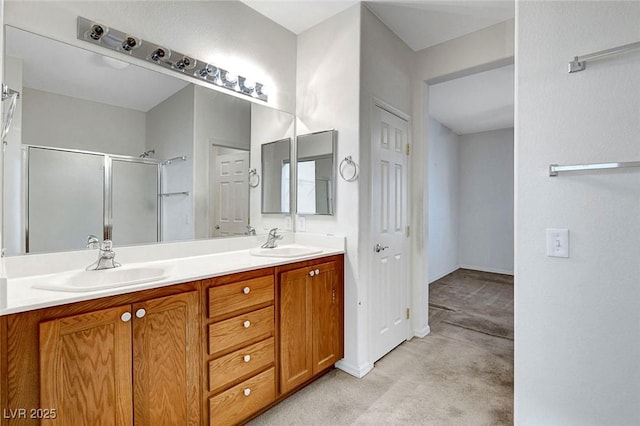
(240,358)
(121,360)
(310,318)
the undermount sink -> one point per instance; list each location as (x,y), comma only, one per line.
(81,281)
(285,251)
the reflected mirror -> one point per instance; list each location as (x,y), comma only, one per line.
(276,176)
(316,173)
(99,146)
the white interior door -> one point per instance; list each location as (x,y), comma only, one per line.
(389,279)
(230,203)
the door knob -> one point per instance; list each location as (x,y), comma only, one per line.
(126,316)
(247,324)
(378,248)
(140,313)
(247,358)
(312,273)
(247,392)
(246,290)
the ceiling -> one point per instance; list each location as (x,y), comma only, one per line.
(419,24)
(130,87)
(476,103)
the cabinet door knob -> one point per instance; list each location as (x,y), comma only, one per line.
(126,316)
(247,358)
(317,271)
(247,324)
(247,392)
(140,313)
(246,290)
(312,273)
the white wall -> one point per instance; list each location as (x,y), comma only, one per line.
(228,34)
(578,319)
(220,119)
(170,132)
(61,121)
(444,200)
(328,98)
(486,201)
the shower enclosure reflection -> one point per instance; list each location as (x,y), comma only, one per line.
(74,194)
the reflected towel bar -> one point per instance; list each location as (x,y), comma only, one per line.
(171,160)
(172,194)
(579,63)
(554,168)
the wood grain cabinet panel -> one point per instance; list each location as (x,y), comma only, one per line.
(85,369)
(166,374)
(243,329)
(243,400)
(311,322)
(241,363)
(229,298)
(87,360)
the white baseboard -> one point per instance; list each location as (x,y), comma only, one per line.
(488,269)
(422,332)
(354,370)
(455,268)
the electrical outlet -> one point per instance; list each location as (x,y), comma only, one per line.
(301,223)
(557,242)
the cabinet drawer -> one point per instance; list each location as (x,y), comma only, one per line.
(233,297)
(238,330)
(241,401)
(240,363)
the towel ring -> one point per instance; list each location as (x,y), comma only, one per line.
(254,178)
(348,162)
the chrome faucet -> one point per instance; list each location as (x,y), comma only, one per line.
(272,239)
(92,242)
(250,230)
(106,258)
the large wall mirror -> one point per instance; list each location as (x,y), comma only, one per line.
(100,146)
(316,173)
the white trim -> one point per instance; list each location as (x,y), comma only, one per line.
(487,269)
(423,332)
(455,268)
(353,370)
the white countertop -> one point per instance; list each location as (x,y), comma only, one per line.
(184,262)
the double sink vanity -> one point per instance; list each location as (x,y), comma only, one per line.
(206,332)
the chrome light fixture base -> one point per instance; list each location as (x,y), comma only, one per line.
(110,38)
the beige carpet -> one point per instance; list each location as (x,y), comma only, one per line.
(461,374)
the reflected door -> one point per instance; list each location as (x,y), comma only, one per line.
(64,199)
(231,194)
(389,280)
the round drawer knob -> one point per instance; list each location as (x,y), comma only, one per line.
(247,358)
(312,273)
(126,316)
(317,271)
(246,290)
(247,324)
(140,313)
(247,392)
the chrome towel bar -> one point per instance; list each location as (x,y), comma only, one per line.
(554,168)
(579,63)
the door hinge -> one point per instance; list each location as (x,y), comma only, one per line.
(408,149)
(408,313)
(408,231)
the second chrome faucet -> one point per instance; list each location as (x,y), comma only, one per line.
(272,239)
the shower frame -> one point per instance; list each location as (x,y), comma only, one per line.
(107,190)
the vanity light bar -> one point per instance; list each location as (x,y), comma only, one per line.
(97,33)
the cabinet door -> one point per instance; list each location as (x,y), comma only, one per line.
(165,360)
(85,368)
(296,361)
(327,316)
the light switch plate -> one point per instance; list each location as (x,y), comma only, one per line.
(557,242)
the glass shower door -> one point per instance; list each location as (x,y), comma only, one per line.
(135,209)
(64,199)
